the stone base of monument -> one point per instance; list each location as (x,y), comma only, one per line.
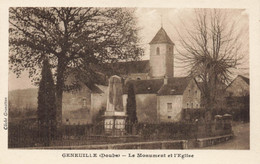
(114,123)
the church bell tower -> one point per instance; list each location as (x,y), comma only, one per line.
(161,55)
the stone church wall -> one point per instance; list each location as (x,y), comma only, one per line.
(146,107)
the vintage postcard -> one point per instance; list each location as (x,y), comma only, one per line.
(161,81)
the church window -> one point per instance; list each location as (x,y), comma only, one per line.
(157,51)
(169,107)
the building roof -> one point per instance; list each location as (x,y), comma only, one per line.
(161,37)
(244,78)
(150,86)
(141,66)
(94,88)
(156,86)
(175,86)
(76,80)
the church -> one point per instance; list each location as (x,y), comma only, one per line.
(160,97)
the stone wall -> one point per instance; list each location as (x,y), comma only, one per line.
(146,107)
(76,106)
(174,144)
(98,101)
(191,96)
(169,115)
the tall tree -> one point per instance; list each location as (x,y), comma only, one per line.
(46,104)
(210,49)
(131,107)
(70,38)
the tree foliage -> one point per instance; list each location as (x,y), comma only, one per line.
(72,39)
(211,48)
(46,103)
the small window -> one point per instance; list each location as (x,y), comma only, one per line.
(191,105)
(138,78)
(84,102)
(197,106)
(189,92)
(169,117)
(169,107)
(157,51)
(187,105)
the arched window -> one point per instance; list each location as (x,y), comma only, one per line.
(187,105)
(157,51)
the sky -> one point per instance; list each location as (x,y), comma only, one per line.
(150,20)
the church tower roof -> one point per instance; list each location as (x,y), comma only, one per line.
(161,37)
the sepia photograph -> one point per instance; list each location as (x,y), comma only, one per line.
(128,78)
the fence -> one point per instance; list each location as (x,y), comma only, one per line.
(21,135)
(27,134)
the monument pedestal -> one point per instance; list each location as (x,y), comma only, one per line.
(114,123)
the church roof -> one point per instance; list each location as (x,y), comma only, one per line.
(150,86)
(141,66)
(161,37)
(175,86)
(156,86)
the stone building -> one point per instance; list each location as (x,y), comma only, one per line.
(160,97)
(161,56)
(239,87)
(162,100)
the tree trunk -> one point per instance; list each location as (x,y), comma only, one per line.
(59,91)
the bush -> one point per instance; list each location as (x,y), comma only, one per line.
(191,114)
(178,130)
(181,130)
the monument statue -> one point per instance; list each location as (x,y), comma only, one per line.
(115,93)
(115,115)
